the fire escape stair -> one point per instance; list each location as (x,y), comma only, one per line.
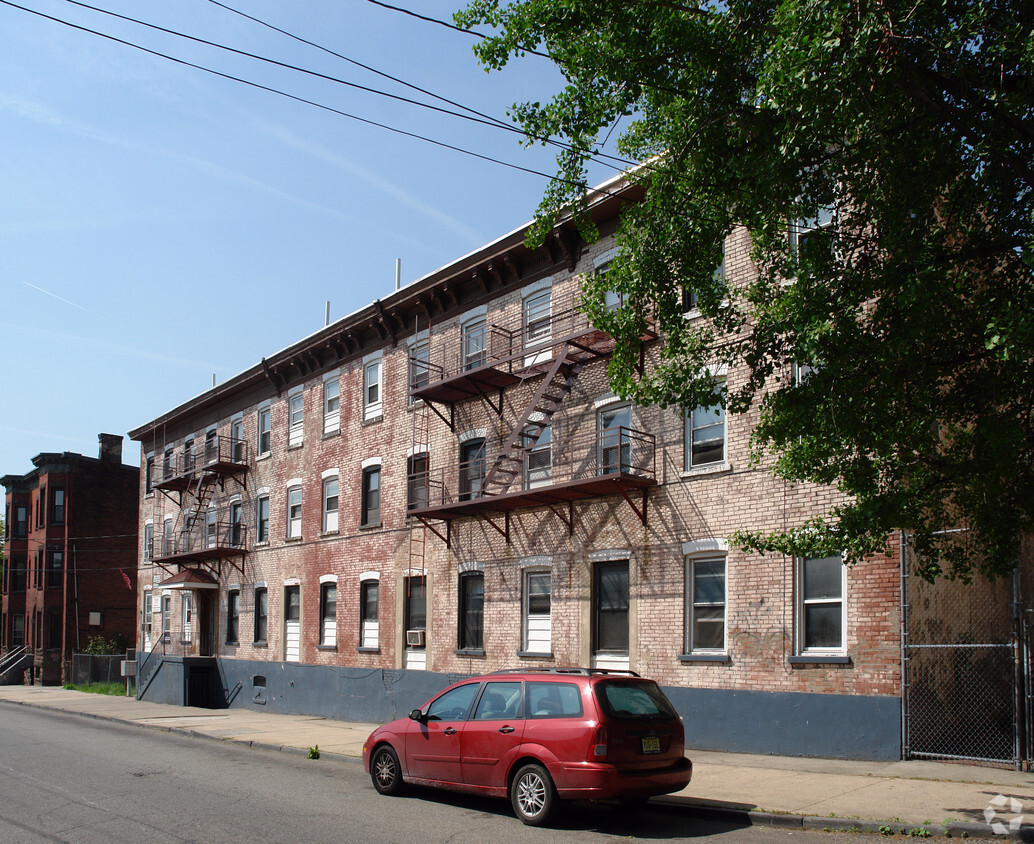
(555,387)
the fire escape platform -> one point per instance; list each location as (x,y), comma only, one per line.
(199,555)
(578,489)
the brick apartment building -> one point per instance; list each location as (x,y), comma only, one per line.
(70,553)
(442,484)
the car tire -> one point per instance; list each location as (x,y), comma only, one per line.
(385,770)
(533,795)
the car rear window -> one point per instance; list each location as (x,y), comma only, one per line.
(554,700)
(633,700)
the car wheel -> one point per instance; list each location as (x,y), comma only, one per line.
(385,770)
(533,795)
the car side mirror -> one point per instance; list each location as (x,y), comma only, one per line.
(416,715)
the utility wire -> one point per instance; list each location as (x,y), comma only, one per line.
(495,120)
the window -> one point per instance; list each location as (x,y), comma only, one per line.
(330,500)
(417,481)
(538,443)
(328,614)
(261,614)
(18,562)
(473,341)
(296,419)
(168,548)
(454,704)
(537,317)
(419,365)
(332,405)
(705,616)
(233,614)
(166,617)
(237,440)
(371,503)
(294,512)
(37,573)
(472,468)
(264,429)
(416,607)
(21,521)
(812,233)
(615,449)
(187,617)
(554,700)
(820,589)
(262,519)
(149,541)
(188,455)
(211,529)
(705,433)
(212,447)
(17,630)
(368,626)
(500,700)
(610,608)
(372,407)
(145,616)
(55,570)
(41,506)
(537,633)
(148,474)
(472,611)
(57,506)
(236,525)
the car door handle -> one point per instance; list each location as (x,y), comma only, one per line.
(506,729)
(449,731)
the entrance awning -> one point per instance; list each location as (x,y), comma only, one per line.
(190,579)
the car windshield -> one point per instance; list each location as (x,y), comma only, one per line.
(633,701)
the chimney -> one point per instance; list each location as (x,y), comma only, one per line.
(111,448)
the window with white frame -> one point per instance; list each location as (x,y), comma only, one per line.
(261,614)
(369,596)
(809,233)
(474,343)
(186,616)
(145,616)
(328,613)
(471,622)
(370,510)
(705,604)
(211,528)
(296,419)
(538,323)
(294,511)
(419,365)
(613,427)
(373,407)
(820,605)
(237,531)
(262,517)
(705,433)
(417,481)
(264,431)
(237,440)
(212,450)
(149,474)
(332,404)
(168,546)
(536,611)
(149,540)
(538,445)
(330,503)
(233,612)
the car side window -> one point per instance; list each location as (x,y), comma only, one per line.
(453,705)
(554,700)
(500,701)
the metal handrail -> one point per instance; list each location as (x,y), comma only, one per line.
(232,536)
(225,451)
(614,451)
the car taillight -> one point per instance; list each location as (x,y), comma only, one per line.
(598,746)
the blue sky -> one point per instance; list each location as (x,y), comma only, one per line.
(160,225)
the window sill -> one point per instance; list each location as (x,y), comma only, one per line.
(324,533)
(691,657)
(714,469)
(261,644)
(819,659)
(265,456)
(329,435)
(373,420)
(233,644)
(535,655)
(371,526)
(292,539)
(478,652)
(326,647)
(367,650)
(296,446)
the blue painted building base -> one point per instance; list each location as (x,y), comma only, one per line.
(771,723)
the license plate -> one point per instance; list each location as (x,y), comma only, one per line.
(651,744)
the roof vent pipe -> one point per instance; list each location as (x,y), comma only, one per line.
(398,273)
(326,314)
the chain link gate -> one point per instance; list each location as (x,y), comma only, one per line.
(966,679)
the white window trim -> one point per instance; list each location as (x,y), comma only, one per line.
(608,555)
(369,575)
(469,566)
(718,374)
(605,257)
(473,434)
(294,483)
(799,603)
(370,461)
(332,418)
(373,410)
(329,474)
(526,571)
(295,430)
(267,408)
(690,561)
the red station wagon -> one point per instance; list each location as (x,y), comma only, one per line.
(538,736)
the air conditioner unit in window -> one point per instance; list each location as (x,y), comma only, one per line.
(415,638)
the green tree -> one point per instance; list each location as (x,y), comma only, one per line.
(911,124)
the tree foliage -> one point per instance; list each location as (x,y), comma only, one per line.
(913,123)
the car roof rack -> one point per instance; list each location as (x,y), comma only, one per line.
(583,672)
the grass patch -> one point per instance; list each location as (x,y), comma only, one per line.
(98,688)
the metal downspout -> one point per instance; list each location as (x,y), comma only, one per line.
(903,621)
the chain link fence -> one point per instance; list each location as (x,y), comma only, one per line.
(960,693)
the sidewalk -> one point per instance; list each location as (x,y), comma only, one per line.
(762,790)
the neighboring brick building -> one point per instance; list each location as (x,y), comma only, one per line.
(70,554)
(441,483)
